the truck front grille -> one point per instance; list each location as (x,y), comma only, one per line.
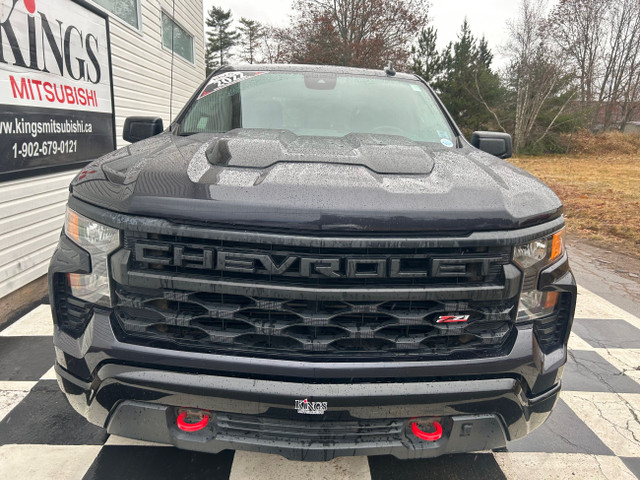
(335,329)
(313,302)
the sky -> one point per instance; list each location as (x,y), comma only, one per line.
(486,17)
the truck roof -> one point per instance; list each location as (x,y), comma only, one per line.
(314,69)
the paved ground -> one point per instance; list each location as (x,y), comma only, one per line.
(593,433)
(609,273)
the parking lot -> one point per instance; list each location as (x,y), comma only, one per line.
(594,431)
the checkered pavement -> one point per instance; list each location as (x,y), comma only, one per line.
(594,432)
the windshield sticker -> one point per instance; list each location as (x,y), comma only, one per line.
(446,142)
(443,134)
(225,80)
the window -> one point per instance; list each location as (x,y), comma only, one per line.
(318,104)
(127,10)
(175,38)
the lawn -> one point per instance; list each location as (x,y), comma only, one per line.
(601,194)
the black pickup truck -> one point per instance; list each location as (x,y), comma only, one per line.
(312,262)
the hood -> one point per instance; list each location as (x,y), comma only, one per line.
(277,180)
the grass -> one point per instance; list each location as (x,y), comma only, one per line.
(601,194)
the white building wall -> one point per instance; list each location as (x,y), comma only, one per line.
(32,209)
(142,66)
(31,215)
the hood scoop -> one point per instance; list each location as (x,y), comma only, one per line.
(261,149)
(218,153)
(114,176)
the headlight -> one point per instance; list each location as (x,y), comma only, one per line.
(533,257)
(99,240)
(531,253)
(540,252)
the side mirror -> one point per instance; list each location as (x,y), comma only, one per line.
(498,144)
(139,128)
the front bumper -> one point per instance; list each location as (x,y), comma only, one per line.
(126,394)
(365,419)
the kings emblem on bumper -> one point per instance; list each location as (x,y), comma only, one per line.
(306,407)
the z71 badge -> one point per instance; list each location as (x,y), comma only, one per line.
(306,407)
(453,318)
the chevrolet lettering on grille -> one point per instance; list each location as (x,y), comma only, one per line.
(342,266)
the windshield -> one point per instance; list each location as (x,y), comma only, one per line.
(317,104)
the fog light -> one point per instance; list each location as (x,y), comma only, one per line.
(537,304)
(92,287)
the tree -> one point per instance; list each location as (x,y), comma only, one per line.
(274,45)
(579,28)
(425,59)
(251,32)
(220,37)
(537,76)
(601,39)
(489,90)
(466,83)
(355,32)
(485,56)
(622,63)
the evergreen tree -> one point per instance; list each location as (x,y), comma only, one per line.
(220,37)
(484,53)
(467,85)
(425,59)
(251,32)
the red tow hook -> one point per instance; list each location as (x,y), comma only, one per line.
(427,436)
(192,427)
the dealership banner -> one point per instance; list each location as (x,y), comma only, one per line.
(56,93)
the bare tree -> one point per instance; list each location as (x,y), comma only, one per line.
(363,33)
(536,73)
(622,62)
(631,100)
(601,39)
(274,46)
(579,27)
